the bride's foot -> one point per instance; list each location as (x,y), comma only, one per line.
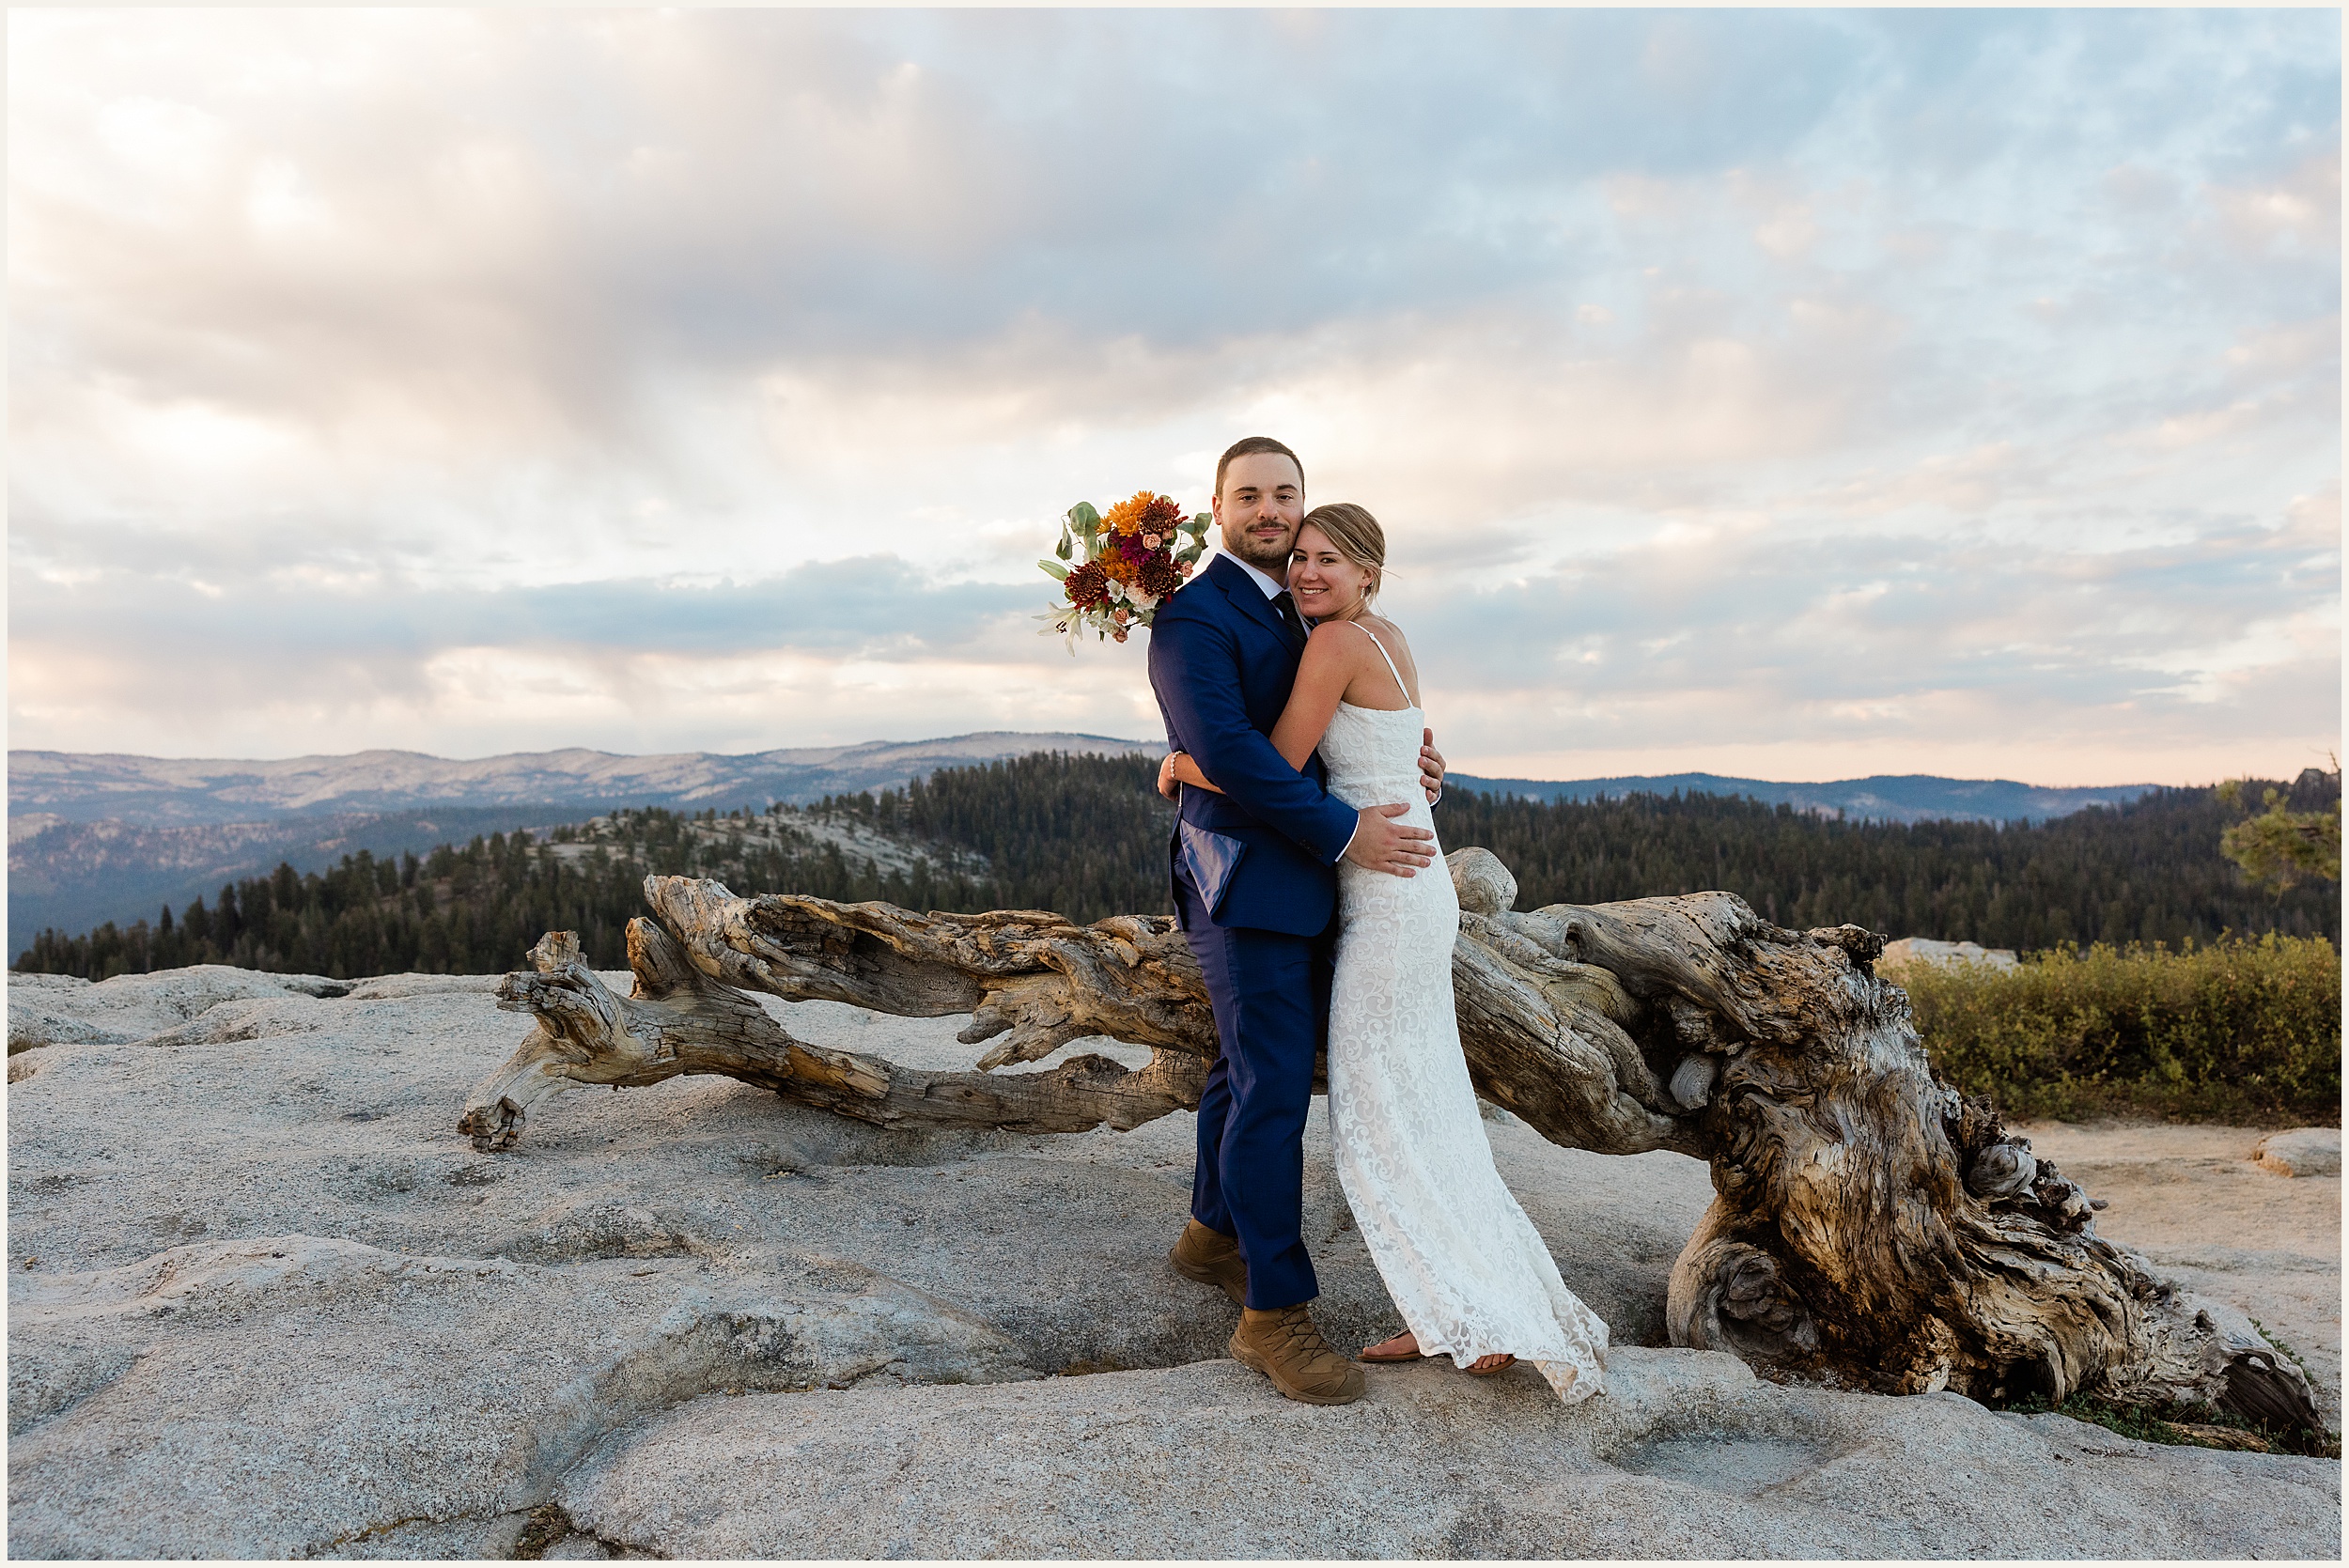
(1403,1348)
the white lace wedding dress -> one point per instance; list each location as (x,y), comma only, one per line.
(1456,1252)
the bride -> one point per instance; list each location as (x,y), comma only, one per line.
(1471,1275)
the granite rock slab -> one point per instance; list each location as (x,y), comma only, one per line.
(265,1301)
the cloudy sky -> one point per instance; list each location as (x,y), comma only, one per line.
(1796,394)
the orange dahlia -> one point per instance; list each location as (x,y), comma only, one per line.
(1146,513)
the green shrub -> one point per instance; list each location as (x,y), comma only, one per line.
(2180,1423)
(2236,1030)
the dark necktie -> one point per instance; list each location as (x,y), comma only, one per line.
(1287,607)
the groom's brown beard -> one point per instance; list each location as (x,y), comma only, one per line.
(1275,564)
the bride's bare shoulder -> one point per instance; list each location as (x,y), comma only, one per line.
(1335,640)
(1388,633)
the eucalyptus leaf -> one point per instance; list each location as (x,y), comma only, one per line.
(1061,549)
(1059,572)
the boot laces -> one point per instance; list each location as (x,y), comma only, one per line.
(1297,1326)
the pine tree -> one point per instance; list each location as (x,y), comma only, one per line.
(1087,836)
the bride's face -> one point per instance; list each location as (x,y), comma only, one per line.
(1326,585)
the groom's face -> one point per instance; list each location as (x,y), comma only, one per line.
(1262,502)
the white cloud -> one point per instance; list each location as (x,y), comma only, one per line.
(1903,386)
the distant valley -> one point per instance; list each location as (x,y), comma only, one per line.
(94,837)
(168,791)
(100,837)
(74,875)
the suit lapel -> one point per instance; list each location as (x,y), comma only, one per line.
(1241,589)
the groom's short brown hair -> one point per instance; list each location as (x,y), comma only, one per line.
(1250,445)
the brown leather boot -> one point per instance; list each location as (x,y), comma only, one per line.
(1211,1258)
(1284,1344)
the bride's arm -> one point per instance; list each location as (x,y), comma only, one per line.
(1322,678)
(1332,657)
(1176,768)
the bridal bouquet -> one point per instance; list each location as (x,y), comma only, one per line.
(1129,563)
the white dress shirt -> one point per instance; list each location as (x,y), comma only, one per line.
(1274,588)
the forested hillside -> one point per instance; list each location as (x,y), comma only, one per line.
(1041,832)
(2150,871)
(1087,836)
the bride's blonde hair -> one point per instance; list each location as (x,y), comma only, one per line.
(1359,538)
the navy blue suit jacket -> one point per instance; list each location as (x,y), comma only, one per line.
(1264,853)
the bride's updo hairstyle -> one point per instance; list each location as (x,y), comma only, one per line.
(1359,538)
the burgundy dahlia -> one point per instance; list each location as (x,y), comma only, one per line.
(1088,587)
(1159,578)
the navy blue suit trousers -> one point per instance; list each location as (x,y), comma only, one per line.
(1271,993)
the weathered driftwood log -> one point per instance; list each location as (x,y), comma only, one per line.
(681,1021)
(1870,1227)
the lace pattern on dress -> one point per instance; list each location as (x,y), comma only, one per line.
(1470,1274)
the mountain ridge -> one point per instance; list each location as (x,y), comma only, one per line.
(1086,836)
(1880,797)
(97,836)
(170,791)
(84,786)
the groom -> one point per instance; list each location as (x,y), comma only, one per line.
(1256,891)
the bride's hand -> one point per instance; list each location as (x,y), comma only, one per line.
(1167,787)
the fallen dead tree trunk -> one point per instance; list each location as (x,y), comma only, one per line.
(1871,1226)
(678,1020)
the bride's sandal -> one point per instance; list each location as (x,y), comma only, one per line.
(1501,1363)
(1403,1348)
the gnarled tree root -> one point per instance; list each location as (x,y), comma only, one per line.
(1871,1227)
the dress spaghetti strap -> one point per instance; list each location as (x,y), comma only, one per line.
(1389,658)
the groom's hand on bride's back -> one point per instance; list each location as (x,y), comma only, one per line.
(1430,766)
(1382,844)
